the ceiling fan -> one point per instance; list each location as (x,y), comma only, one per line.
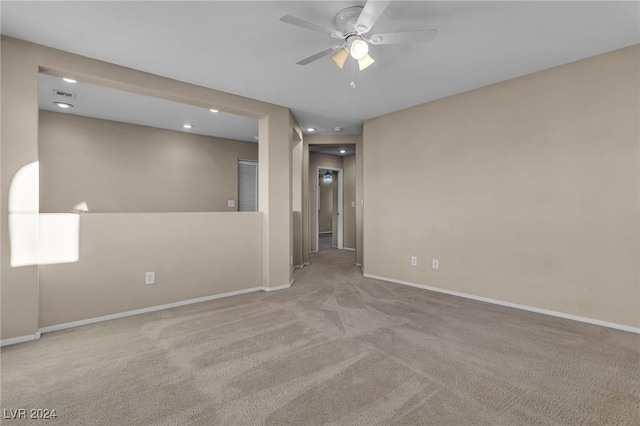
(353,26)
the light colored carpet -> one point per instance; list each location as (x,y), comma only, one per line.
(335,348)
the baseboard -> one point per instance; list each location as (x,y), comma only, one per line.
(79,323)
(279,287)
(298,266)
(326,232)
(348,248)
(512,305)
(19,339)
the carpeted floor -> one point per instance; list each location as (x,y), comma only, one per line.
(335,348)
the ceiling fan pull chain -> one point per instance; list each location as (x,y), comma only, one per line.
(352,71)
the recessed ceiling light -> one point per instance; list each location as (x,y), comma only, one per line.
(188,126)
(337,129)
(343,151)
(63,105)
(213,110)
(69,80)
(311,129)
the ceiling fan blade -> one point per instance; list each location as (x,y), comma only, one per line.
(423,36)
(311,26)
(318,55)
(370,14)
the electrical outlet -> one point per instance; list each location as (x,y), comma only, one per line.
(435,263)
(231,203)
(150,278)
(414,261)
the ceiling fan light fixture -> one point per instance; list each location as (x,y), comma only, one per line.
(365,62)
(359,49)
(340,57)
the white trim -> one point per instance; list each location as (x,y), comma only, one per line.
(79,323)
(325,232)
(88,321)
(511,305)
(279,287)
(302,265)
(348,248)
(19,339)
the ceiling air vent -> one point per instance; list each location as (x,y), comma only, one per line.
(64,94)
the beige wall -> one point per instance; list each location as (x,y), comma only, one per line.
(18,286)
(120,167)
(527,191)
(21,63)
(192,254)
(349,167)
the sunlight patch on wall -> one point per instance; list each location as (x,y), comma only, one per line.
(58,238)
(38,239)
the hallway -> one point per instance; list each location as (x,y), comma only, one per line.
(324,242)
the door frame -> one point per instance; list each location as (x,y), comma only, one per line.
(340,239)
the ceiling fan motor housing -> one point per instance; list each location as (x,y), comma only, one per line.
(346,21)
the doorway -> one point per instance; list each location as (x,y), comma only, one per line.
(329,214)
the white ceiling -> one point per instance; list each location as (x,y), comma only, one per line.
(116,105)
(242,47)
